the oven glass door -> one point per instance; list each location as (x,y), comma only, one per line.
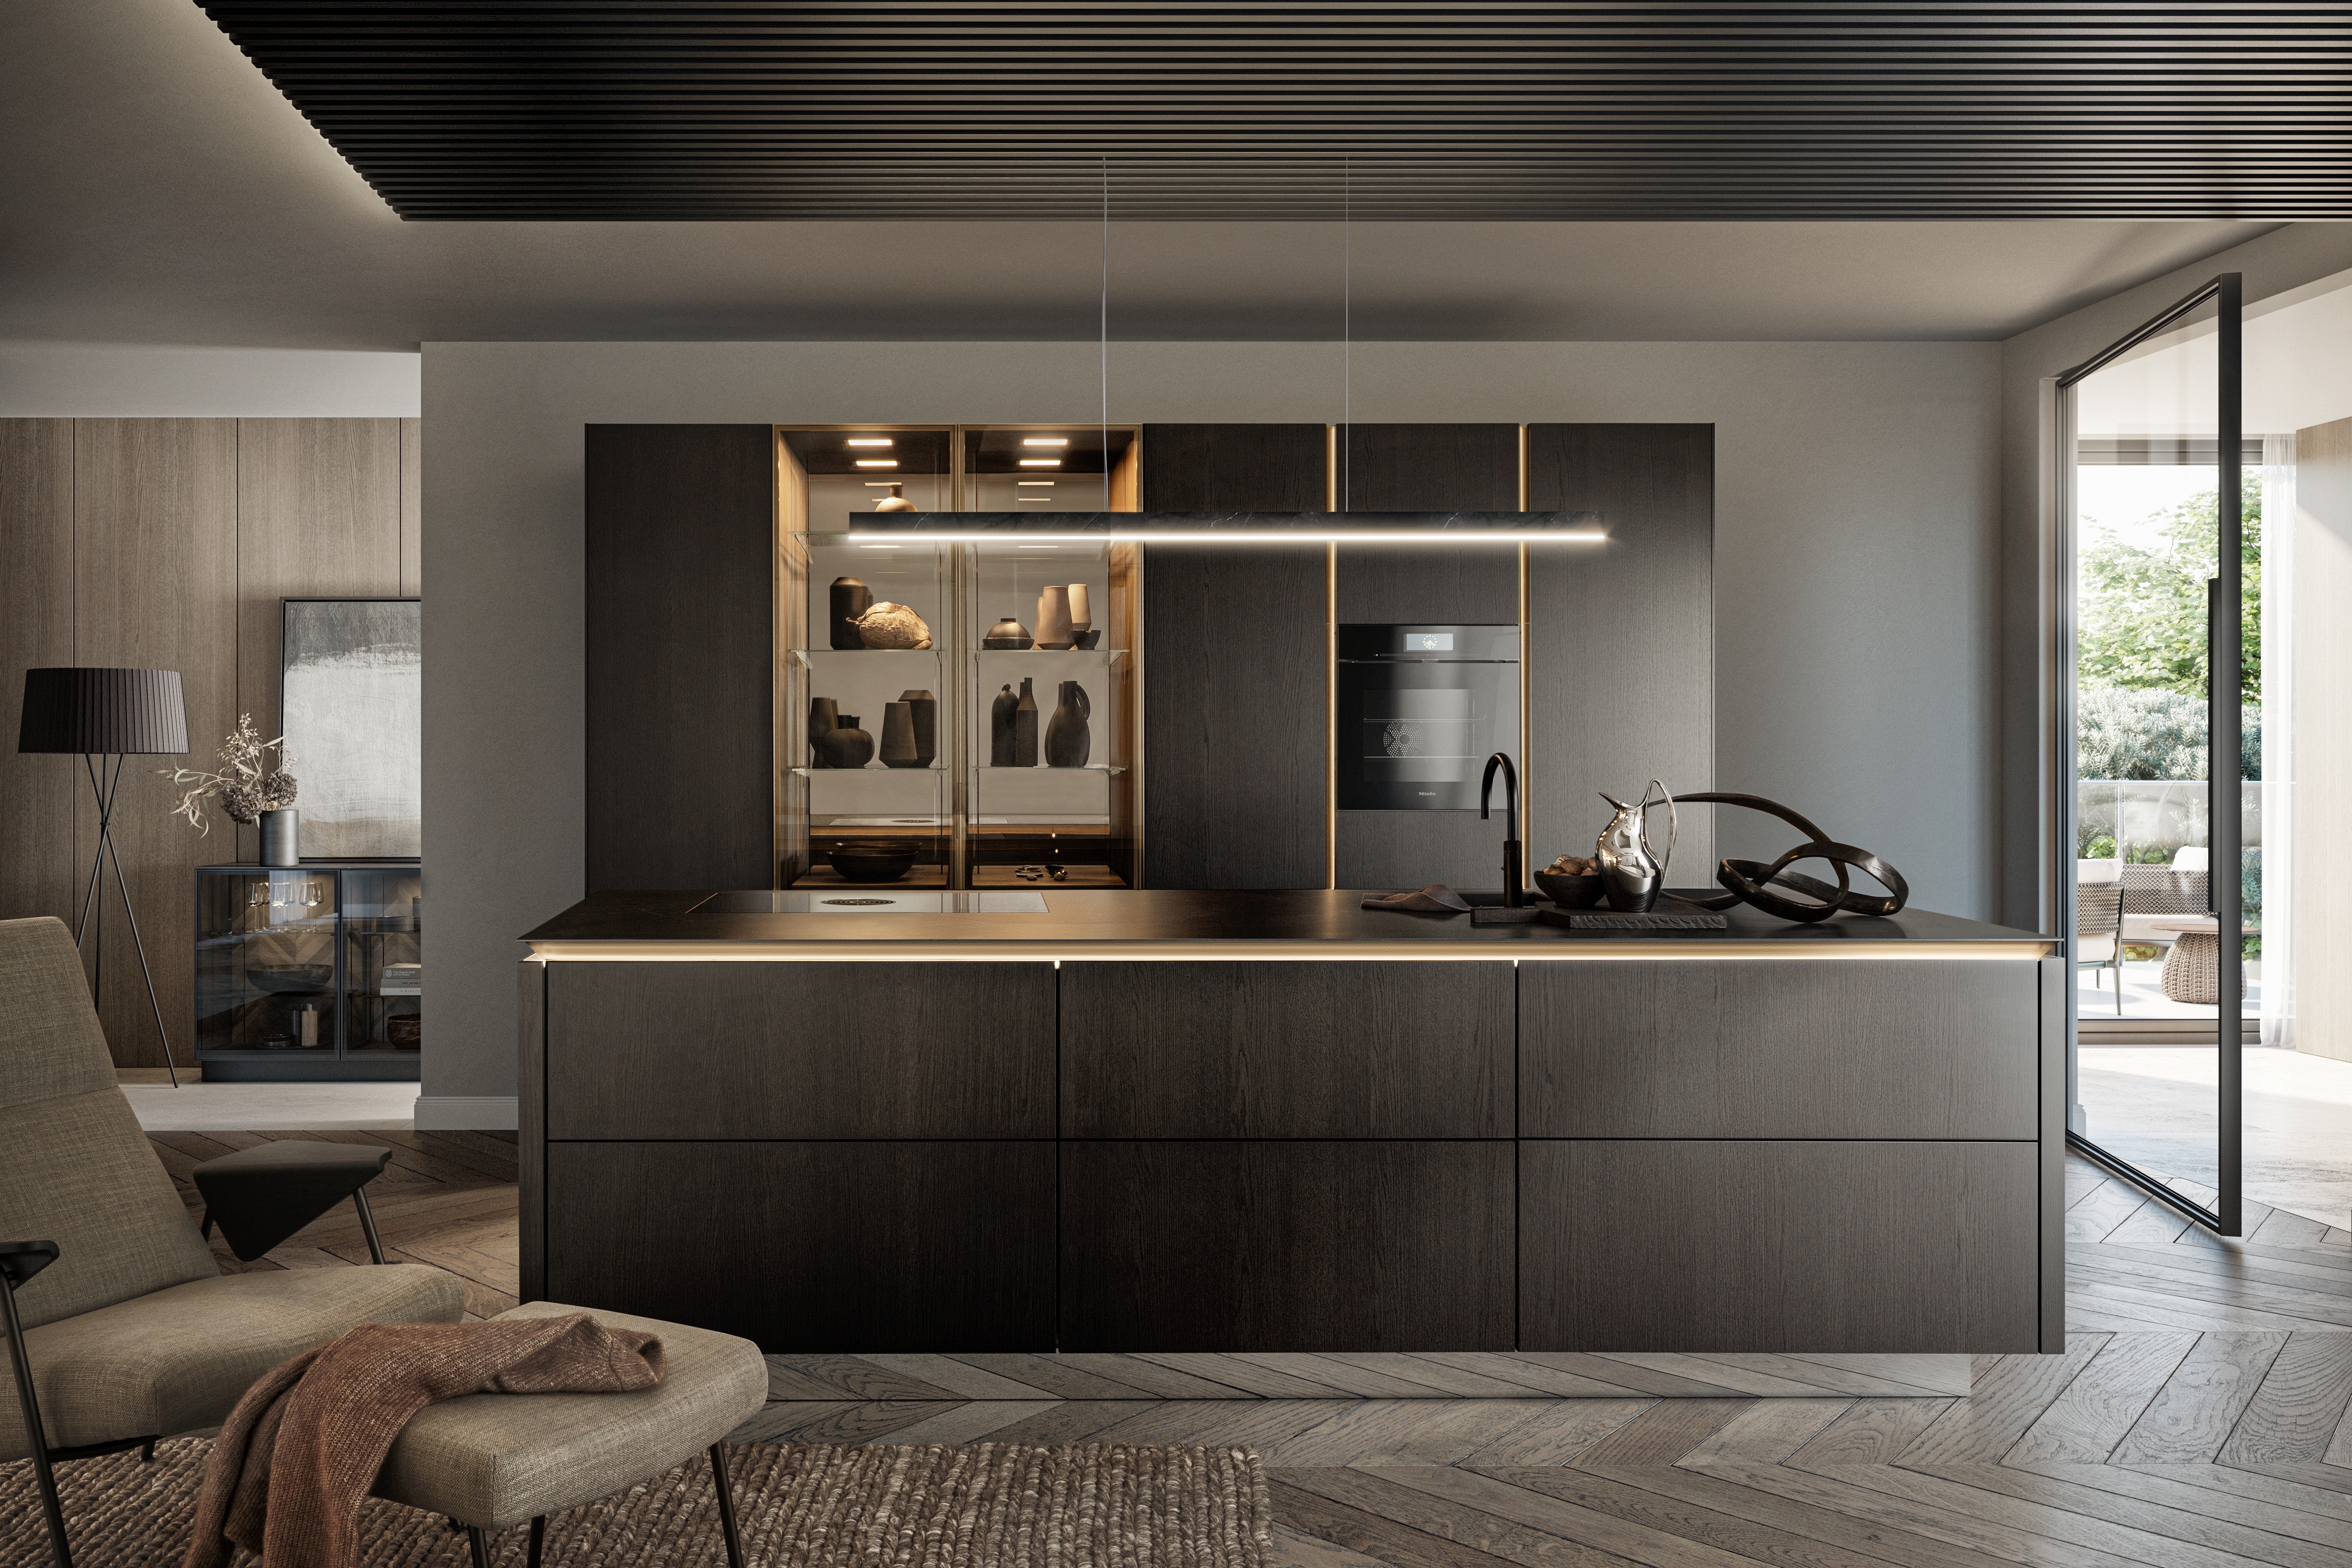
(1421,709)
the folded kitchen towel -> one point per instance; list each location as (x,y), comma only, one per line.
(300,1451)
(1435,899)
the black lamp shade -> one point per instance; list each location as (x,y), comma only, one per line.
(104,712)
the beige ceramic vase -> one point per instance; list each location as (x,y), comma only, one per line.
(1053,617)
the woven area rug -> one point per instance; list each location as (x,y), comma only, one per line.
(992,1505)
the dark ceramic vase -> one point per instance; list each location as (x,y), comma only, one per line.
(851,599)
(898,736)
(1068,740)
(924,708)
(1025,727)
(822,717)
(845,744)
(1007,635)
(1000,728)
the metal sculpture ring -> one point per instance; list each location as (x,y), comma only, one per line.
(1751,882)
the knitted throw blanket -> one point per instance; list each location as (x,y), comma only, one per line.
(299,1453)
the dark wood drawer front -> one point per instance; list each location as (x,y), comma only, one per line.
(1286,1050)
(1764,1049)
(1284,1246)
(1770,1246)
(812,1247)
(800,1051)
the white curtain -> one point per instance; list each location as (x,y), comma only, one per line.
(2278,739)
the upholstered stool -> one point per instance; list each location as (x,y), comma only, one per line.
(490,1461)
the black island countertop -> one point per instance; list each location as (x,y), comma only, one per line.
(1100,922)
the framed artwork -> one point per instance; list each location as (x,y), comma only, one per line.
(351,703)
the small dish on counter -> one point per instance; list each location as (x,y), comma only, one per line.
(1571,892)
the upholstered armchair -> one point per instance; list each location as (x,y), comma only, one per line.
(121,1328)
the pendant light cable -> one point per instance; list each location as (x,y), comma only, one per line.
(1106,330)
(1347,330)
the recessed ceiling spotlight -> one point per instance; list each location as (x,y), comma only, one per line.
(1032,481)
(1033,497)
(1041,463)
(1045,441)
(870,441)
(878,463)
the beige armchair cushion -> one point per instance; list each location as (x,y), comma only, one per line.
(497,1459)
(79,1170)
(2094,949)
(180,1359)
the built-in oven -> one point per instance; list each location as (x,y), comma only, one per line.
(1420,709)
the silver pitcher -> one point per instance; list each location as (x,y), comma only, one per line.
(1631,873)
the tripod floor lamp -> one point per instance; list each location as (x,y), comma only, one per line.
(103,714)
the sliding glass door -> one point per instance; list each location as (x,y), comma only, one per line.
(2159,529)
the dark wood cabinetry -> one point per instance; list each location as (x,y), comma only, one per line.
(804,1051)
(1430,468)
(1241,1246)
(1778,1246)
(1286,1050)
(681,655)
(813,1246)
(1236,666)
(1235,468)
(1921,1049)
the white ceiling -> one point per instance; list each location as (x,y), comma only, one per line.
(156,189)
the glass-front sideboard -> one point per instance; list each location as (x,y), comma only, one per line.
(309,972)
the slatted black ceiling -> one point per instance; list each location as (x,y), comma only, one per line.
(890,108)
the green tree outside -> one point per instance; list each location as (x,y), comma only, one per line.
(2143,608)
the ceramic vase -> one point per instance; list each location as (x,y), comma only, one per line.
(845,744)
(822,717)
(1053,617)
(924,709)
(1007,635)
(1068,740)
(850,599)
(1025,727)
(280,837)
(1081,613)
(1000,728)
(898,736)
(895,501)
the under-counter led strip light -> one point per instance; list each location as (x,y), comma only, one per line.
(1641,948)
(1257,536)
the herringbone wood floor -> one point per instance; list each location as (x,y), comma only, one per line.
(2197,1419)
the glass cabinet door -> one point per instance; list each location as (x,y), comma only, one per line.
(382,985)
(265,962)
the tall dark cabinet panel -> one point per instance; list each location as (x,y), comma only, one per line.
(681,521)
(1620,635)
(1235,467)
(1234,666)
(1430,468)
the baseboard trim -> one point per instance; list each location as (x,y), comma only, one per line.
(466,1114)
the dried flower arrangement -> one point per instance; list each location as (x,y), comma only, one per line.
(251,786)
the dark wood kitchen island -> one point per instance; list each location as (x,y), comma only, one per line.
(1166,1121)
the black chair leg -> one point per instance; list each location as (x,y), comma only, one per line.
(537,1539)
(726,1505)
(482,1547)
(367,1226)
(29,1408)
(147,1452)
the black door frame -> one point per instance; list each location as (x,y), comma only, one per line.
(2224,746)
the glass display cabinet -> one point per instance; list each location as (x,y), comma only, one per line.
(927,737)
(309,972)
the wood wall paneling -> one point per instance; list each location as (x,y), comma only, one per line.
(1237,662)
(932,1247)
(318,516)
(1475,585)
(1611,710)
(1287,1246)
(37,793)
(1749,1246)
(680,705)
(1430,468)
(412,508)
(1918,1048)
(1234,467)
(155,588)
(802,1050)
(1286,1050)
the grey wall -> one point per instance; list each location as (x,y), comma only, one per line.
(2276,267)
(1856,533)
(133,381)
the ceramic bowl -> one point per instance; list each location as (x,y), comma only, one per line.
(1570,892)
(877,861)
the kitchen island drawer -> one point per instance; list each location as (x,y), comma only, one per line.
(906,1049)
(1780,1049)
(1793,1246)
